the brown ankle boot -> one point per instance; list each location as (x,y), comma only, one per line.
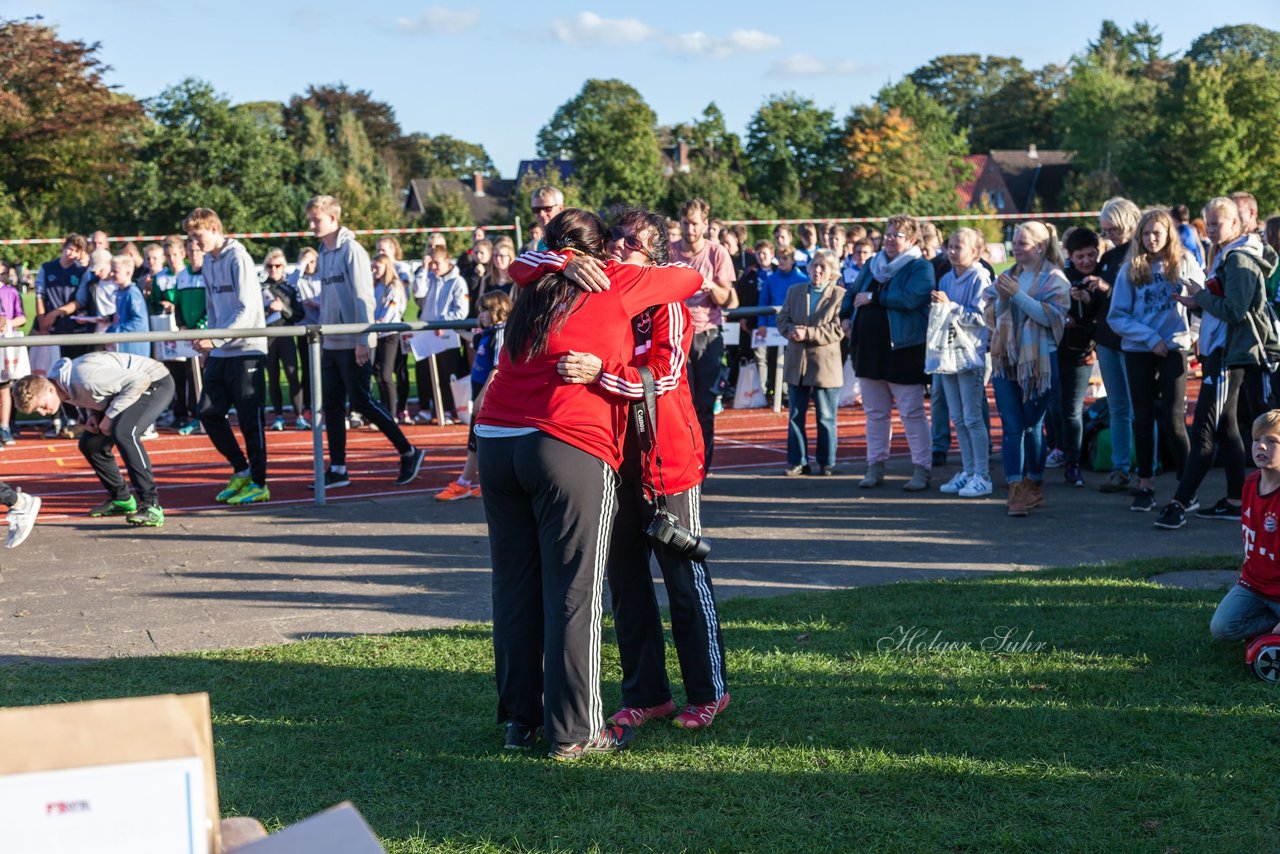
(1017,505)
(1033,492)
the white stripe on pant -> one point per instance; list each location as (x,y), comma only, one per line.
(550,508)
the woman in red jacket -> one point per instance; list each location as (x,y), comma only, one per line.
(549,453)
(674,468)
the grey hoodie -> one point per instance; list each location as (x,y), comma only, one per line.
(346,290)
(105,382)
(234,299)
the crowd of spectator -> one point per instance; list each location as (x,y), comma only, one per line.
(879,317)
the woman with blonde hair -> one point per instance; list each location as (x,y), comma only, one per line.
(887,342)
(1117,223)
(1156,338)
(1026,316)
(389,301)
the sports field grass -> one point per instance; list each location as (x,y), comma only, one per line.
(1128,730)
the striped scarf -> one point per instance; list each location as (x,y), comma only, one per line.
(1022,349)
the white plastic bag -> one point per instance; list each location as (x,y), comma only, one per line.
(749,393)
(949,347)
(850,390)
(462,397)
(14,361)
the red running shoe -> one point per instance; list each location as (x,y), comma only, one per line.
(634,716)
(700,717)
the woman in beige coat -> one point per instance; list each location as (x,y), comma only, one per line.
(810,321)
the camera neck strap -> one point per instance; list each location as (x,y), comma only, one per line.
(643,413)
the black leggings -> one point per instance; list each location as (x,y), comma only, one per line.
(283,353)
(1215,426)
(1150,374)
(388,363)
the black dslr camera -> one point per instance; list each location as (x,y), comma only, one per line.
(665,528)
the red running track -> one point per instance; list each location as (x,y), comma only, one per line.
(190,472)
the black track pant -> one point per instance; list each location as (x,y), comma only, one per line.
(8,495)
(1150,374)
(342,380)
(550,509)
(1215,428)
(706,354)
(184,390)
(126,431)
(283,353)
(695,623)
(236,381)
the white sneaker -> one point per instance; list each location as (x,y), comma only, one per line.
(1056,459)
(150,433)
(977,487)
(22,518)
(957,482)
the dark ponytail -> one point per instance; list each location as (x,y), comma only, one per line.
(544,307)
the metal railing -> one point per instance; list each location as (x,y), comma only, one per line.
(314,335)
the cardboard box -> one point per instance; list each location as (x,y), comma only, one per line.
(130,775)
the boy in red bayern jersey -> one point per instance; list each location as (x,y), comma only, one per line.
(1252,606)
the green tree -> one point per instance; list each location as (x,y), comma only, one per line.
(1020,112)
(65,135)
(793,150)
(201,151)
(443,156)
(608,131)
(716,169)
(1105,117)
(1253,93)
(1218,45)
(1203,144)
(890,169)
(378,119)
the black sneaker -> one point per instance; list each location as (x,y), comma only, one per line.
(610,740)
(1073,476)
(520,736)
(1224,510)
(409,466)
(1172,517)
(333,480)
(1192,506)
(939,458)
(1144,501)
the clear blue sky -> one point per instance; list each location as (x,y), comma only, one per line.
(495,72)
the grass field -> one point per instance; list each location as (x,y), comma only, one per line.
(1129,729)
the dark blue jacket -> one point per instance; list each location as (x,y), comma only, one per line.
(906,296)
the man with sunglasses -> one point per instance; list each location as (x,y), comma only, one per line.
(546,201)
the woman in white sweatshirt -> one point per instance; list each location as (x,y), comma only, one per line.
(1155,337)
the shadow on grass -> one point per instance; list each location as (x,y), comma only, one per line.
(1131,731)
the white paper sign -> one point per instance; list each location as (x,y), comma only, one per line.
(135,808)
(767,336)
(731,333)
(424,344)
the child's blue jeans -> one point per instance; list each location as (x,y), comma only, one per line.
(1243,614)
